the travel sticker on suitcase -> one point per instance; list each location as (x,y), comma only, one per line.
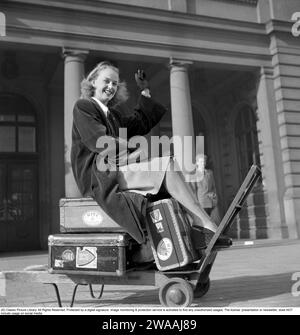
(164,249)
(155,215)
(92,218)
(86,257)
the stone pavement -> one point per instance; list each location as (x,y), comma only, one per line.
(259,275)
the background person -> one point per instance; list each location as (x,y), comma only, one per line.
(203,184)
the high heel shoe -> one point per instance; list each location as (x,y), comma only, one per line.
(202,236)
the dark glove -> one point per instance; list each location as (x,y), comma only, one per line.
(140,78)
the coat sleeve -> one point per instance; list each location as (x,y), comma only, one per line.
(213,189)
(146,115)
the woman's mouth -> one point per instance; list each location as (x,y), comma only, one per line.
(109,92)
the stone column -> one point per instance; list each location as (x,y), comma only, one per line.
(73,75)
(182,117)
(286,63)
(271,159)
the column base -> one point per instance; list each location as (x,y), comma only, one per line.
(292,212)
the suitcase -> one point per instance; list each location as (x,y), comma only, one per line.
(91,254)
(78,215)
(169,233)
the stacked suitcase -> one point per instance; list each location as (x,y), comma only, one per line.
(92,243)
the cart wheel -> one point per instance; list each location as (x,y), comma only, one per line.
(176,293)
(201,289)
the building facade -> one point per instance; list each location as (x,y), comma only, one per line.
(228,70)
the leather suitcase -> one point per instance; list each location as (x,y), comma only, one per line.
(91,254)
(169,233)
(78,215)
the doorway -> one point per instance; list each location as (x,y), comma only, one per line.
(252,220)
(19,208)
(18,205)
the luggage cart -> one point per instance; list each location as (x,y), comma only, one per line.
(176,288)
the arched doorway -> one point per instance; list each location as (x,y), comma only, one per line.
(246,141)
(18,174)
(252,220)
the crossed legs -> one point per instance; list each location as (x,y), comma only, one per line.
(180,190)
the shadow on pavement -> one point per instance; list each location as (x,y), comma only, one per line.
(23,254)
(222,293)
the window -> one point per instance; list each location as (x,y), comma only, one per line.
(246,140)
(17,125)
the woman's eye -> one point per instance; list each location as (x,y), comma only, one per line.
(107,82)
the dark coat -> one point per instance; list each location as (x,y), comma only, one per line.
(89,123)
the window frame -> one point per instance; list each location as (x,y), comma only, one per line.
(27,110)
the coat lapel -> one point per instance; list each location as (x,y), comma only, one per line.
(110,127)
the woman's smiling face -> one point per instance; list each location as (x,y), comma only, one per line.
(106,85)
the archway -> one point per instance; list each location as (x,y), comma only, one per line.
(246,141)
(252,220)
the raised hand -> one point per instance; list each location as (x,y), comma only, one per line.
(140,78)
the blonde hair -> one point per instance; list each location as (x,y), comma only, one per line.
(88,89)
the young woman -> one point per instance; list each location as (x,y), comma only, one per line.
(120,191)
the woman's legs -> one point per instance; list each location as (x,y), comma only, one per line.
(180,190)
